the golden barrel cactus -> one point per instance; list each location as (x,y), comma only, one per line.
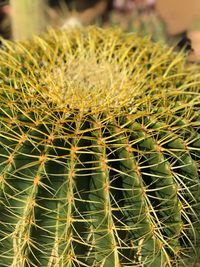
(99,152)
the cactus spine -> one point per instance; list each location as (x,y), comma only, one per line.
(99,152)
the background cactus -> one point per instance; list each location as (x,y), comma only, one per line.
(28,18)
(99,152)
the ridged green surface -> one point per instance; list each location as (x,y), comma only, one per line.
(99,152)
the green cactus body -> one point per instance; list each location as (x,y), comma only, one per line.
(99,152)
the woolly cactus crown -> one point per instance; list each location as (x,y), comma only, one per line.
(97,69)
(99,152)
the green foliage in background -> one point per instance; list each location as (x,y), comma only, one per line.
(99,152)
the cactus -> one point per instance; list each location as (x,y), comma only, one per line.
(28,18)
(99,152)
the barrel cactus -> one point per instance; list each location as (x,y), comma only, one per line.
(99,152)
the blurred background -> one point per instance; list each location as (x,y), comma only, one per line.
(175,22)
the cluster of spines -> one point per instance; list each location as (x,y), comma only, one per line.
(96,190)
(106,186)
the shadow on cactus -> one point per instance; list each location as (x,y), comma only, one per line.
(99,152)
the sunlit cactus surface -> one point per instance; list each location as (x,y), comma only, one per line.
(99,152)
